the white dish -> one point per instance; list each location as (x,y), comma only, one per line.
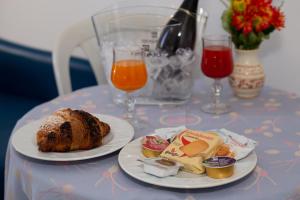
(128,160)
(24,141)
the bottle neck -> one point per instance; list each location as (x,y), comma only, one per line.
(190,5)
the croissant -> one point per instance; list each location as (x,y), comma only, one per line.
(67,130)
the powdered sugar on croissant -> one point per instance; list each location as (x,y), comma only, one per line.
(68,130)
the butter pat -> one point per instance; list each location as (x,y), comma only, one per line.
(191,147)
(160,167)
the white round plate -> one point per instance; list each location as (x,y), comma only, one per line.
(24,141)
(128,160)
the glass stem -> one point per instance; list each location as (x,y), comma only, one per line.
(217,88)
(130,102)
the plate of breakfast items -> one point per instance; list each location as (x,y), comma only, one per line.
(189,159)
(69,135)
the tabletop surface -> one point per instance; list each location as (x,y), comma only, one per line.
(272,119)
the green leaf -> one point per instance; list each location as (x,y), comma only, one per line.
(261,35)
(243,40)
(250,41)
(269,30)
(226,20)
(252,38)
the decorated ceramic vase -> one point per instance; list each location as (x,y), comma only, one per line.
(248,75)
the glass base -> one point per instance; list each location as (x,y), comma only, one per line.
(137,123)
(216,109)
(119,98)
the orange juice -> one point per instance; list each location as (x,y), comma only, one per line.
(129,75)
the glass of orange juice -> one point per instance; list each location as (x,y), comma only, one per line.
(129,74)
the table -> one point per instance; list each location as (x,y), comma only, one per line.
(271,119)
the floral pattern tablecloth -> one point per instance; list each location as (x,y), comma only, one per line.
(272,119)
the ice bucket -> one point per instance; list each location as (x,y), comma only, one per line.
(169,76)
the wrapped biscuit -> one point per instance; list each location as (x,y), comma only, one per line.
(191,147)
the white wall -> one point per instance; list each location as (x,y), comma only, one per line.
(37,23)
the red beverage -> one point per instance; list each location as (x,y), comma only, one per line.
(217,61)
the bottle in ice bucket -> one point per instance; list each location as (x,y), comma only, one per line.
(172,76)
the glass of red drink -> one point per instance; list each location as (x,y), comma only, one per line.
(217,63)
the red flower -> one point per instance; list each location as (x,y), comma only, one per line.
(257,15)
(277,19)
(251,21)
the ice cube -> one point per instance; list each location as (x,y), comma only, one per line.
(174,62)
(171,75)
(158,60)
(186,56)
(165,73)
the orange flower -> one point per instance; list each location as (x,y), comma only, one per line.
(241,23)
(239,5)
(259,23)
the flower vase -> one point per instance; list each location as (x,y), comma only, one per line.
(247,78)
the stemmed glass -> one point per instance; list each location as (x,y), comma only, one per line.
(217,63)
(129,74)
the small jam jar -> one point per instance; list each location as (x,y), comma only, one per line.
(219,167)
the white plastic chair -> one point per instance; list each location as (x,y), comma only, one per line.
(80,35)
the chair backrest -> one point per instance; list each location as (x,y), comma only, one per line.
(80,35)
